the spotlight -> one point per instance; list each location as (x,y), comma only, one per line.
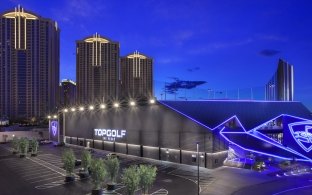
(152,101)
(54,116)
(116,105)
(49,117)
(81,108)
(73,109)
(65,110)
(102,106)
(91,107)
(132,103)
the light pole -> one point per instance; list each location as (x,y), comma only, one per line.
(197,146)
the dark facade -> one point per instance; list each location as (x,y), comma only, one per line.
(29,65)
(68,93)
(170,130)
(97,61)
(281,86)
(136,76)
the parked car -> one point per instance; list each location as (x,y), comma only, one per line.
(112,155)
(44,141)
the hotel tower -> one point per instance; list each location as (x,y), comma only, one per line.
(29,65)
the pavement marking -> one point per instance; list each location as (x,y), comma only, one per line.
(50,185)
(32,178)
(160,192)
(48,166)
(37,173)
(292,189)
(46,179)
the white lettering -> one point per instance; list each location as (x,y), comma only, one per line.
(111,134)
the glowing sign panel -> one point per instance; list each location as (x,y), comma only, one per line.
(110,134)
(54,127)
(302,133)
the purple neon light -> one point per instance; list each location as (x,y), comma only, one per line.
(267,141)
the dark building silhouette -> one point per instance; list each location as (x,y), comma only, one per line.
(29,65)
(281,85)
(97,61)
(68,93)
(136,76)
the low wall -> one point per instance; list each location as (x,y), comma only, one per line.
(35,133)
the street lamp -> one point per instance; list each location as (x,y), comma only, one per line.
(91,107)
(132,103)
(116,105)
(54,116)
(102,106)
(81,108)
(197,147)
(152,101)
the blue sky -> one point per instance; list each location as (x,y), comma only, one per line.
(229,44)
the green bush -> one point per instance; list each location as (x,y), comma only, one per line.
(23,145)
(33,144)
(98,173)
(69,159)
(15,144)
(131,179)
(112,167)
(147,175)
(86,160)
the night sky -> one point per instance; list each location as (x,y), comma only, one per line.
(229,44)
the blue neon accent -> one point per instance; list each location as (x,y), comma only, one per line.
(277,144)
(297,139)
(255,151)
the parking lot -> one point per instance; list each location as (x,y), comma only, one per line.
(44,174)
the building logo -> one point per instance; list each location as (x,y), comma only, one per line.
(302,133)
(110,134)
(54,127)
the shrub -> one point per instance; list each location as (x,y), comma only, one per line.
(86,160)
(131,179)
(15,144)
(147,175)
(69,159)
(112,168)
(23,145)
(34,146)
(98,172)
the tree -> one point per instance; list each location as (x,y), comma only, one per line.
(33,144)
(112,168)
(69,159)
(86,160)
(98,173)
(147,175)
(15,145)
(131,179)
(23,146)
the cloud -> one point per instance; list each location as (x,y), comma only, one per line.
(269,52)
(174,86)
(193,69)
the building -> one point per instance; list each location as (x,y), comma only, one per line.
(228,132)
(68,93)
(136,76)
(29,66)
(97,61)
(281,86)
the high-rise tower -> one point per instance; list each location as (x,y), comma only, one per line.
(29,66)
(136,76)
(97,69)
(281,86)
